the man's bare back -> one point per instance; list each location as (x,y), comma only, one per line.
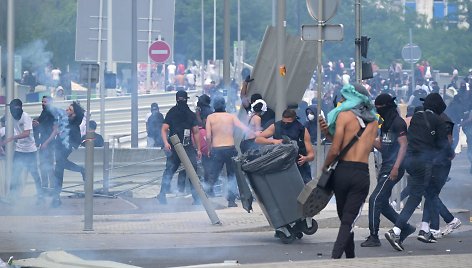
(220,128)
(360,151)
(347,126)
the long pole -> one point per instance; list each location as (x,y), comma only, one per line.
(88,186)
(239,61)
(148,67)
(358,41)
(281,103)
(134,84)
(226,63)
(274,13)
(214,31)
(101,89)
(192,175)
(109,65)
(9,89)
(412,64)
(319,79)
(202,72)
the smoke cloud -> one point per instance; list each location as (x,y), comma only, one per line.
(34,55)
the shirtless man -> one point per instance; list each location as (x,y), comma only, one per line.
(220,129)
(350,182)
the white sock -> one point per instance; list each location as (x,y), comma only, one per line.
(397,230)
(425,226)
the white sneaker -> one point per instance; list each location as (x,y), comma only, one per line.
(436,233)
(450,227)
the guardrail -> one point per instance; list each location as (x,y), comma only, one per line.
(118,111)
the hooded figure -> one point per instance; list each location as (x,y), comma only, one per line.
(219,105)
(16,108)
(388,110)
(311,122)
(435,103)
(203,104)
(355,98)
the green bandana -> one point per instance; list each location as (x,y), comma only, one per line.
(357,102)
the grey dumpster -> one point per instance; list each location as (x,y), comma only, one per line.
(276,182)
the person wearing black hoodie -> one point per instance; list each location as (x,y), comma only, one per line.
(68,138)
(392,145)
(427,136)
(180,121)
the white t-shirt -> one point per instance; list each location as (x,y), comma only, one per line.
(25,145)
(2,132)
(56,74)
(171,68)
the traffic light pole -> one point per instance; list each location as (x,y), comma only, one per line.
(358,41)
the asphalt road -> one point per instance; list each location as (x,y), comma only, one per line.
(261,247)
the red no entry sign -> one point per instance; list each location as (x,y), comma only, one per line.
(159,51)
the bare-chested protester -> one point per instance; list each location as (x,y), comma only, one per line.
(350,182)
(220,137)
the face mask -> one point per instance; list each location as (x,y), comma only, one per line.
(311,117)
(287,125)
(383,110)
(181,102)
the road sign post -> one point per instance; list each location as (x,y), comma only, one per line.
(159,51)
(321,11)
(89,73)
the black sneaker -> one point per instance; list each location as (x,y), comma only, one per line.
(394,240)
(407,232)
(426,237)
(371,241)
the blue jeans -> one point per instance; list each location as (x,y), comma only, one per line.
(223,156)
(420,171)
(378,201)
(29,161)
(172,164)
(437,183)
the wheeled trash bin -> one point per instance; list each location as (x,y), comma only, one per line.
(276,182)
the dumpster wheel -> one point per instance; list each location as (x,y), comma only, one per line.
(310,230)
(284,238)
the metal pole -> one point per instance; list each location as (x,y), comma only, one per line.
(109,65)
(274,13)
(281,102)
(239,60)
(319,93)
(358,41)
(106,167)
(202,72)
(226,63)
(214,31)
(88,187)
(179,148)
(9,90)
(101,72)
(412,64)
(1,80)
(134,84)
(148,68)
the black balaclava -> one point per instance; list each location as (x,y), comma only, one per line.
(16,108)
(203,100)
(435,103)
(389,110)
(219,104)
